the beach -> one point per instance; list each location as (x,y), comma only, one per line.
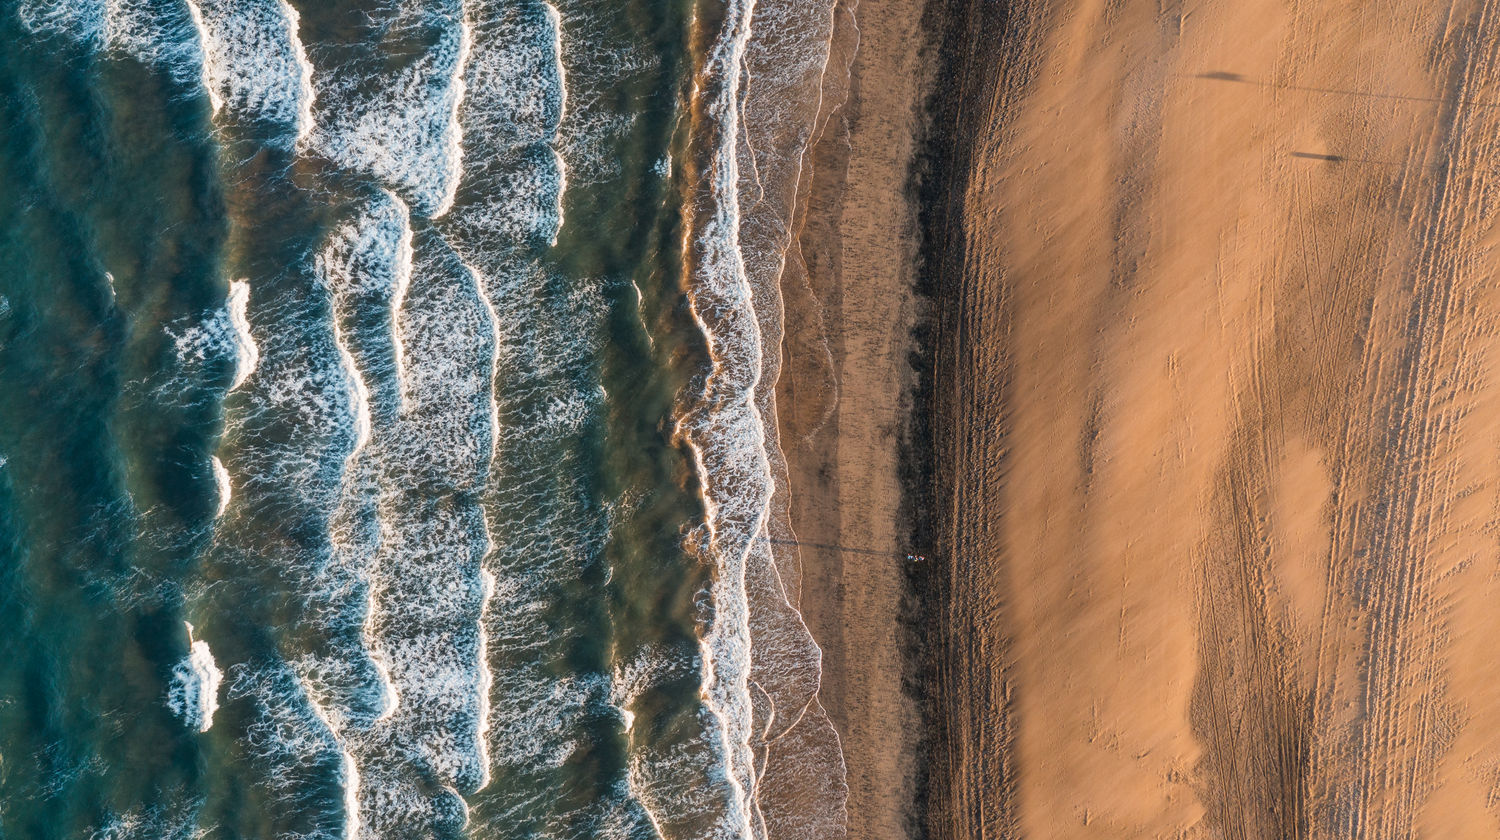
(845,400)
(1214,437)
(760,419)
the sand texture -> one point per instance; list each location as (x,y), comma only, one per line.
(1218,439)
(844,398)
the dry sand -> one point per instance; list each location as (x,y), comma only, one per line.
(1217,459)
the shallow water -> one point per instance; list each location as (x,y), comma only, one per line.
(358,385)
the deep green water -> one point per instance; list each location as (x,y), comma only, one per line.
(448,594)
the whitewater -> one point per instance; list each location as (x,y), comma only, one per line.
(493,490)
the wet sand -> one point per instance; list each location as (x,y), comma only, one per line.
(845,395)
(1217,434)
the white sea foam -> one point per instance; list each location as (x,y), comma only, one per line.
(555,19)
(402,126)
(793,94)
(516,79)
(399,288)
(415,473)
(677,783)
(349,780)
(365,266)
(221,481)
(514,177)
(540,720)
(194,692)
(390,700)
(486,677)
(455,133)
(86,21)
(380,420)
(756,637)
(728,444)
(562,188)
(304,71)
(432,592)
(302,416)
(215,100)
(395,421)
(596,122)
(359,392)
(159,33)
(368,263)
(293,735)
(486,578)
(247,354)
(369,256)
(170,820)
(254,63)
(219,334)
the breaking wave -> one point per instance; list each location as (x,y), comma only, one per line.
(400,124)
(414,388)
(254,64)
(763,669)
(194,693)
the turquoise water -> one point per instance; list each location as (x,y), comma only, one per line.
(352,360)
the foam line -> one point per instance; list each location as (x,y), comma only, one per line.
(247,352)
(404,256)
(554,18)
(359,392)
(486,677)
(728,445)
(216,101)
(487,579)
(304,71)
(221,481)
(254,66)
(349,777)
(455,132)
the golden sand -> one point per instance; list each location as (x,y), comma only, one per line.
(1217,443)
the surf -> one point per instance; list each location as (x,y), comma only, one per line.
(752,72)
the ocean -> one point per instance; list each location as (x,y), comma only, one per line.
(387,439)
